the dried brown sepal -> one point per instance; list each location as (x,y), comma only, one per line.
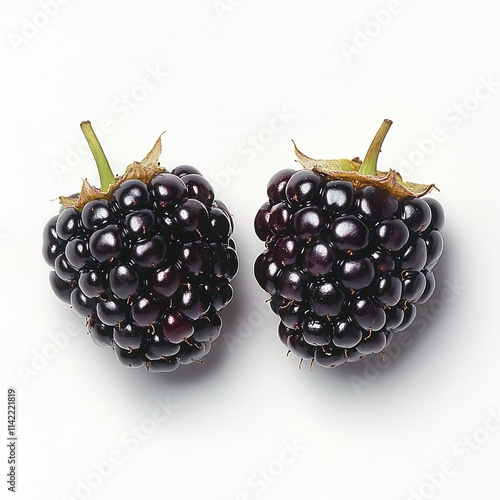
(348,170)
(144,170)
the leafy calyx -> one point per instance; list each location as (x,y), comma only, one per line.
(143,170)
(365,173)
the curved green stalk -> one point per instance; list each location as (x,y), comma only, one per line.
(369,165)
(105,173)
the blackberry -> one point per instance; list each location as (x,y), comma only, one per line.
(147,260)
(349,253)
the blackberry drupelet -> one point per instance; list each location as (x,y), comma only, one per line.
(350,252)
(147,260)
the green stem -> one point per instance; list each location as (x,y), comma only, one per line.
(369,166)
(105,173)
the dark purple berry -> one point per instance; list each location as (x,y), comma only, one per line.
(147,260)
(346,258)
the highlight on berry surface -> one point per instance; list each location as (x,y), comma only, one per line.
(349,254)
(147,259)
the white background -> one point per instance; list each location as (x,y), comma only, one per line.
(89,428)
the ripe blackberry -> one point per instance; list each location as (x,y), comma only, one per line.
(147,260)
(349,253)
